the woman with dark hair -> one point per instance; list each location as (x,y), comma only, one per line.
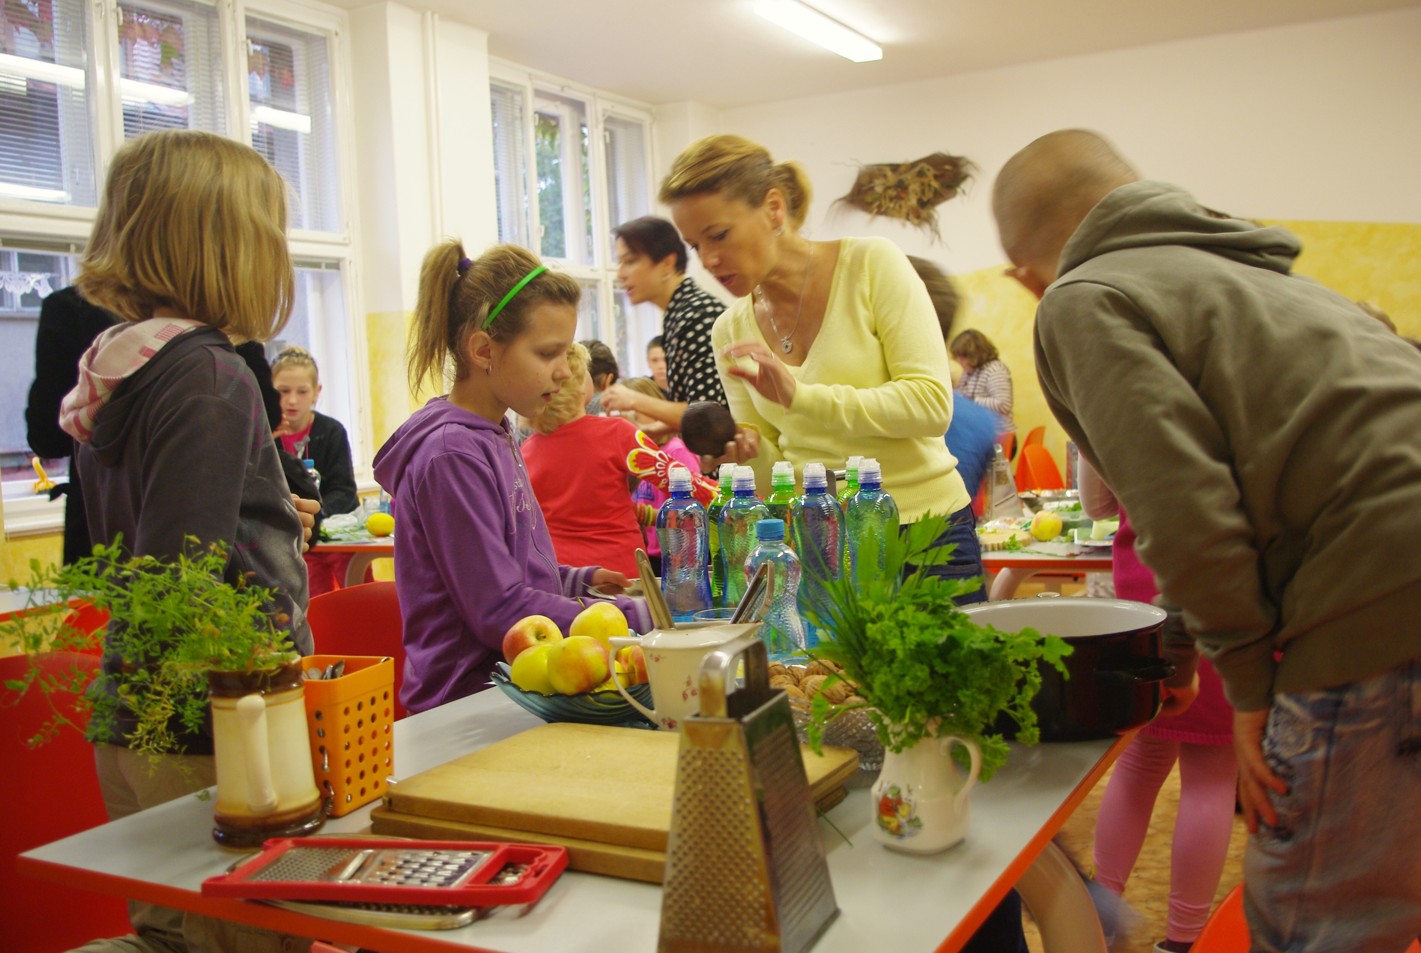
(985,378)
(651,267)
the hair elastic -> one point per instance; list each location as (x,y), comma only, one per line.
(511,292)
(463,266)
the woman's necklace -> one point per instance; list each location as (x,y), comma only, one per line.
(787,340)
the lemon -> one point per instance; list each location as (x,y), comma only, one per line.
(383,524)
(1046,526)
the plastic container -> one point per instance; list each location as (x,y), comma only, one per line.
(737,532)
(870,516)
(682,530)
(817,532)
(781,490)
(352,722)
(783,631)
(724,491)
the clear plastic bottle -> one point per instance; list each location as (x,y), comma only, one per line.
(737,531)
(312,472)
(722,496)
(783,631)
(870,516)
(781,490)
(816,529)
(851,479)
(682,531)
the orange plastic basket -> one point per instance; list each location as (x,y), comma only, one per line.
(352,722)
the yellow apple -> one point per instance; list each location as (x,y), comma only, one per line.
(528,632)
(577,664)
(601,621)
(631,665)
(529,670)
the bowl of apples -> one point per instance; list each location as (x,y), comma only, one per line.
(568,678)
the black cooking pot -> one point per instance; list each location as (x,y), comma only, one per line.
(1114,673)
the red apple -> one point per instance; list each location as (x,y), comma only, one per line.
(576,665)
(528,632)
(631,665)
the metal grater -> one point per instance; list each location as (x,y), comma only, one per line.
(745,868)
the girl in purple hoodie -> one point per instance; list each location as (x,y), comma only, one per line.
(473,552)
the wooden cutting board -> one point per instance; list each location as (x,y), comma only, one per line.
(604,793)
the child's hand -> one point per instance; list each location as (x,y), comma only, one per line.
(610,582)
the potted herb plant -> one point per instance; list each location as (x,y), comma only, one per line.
(187,654)
(932,680)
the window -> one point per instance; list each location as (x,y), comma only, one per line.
(568,167)
(77,78)
(46,150)
(170,68)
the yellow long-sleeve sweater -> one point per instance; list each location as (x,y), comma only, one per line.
(875,383)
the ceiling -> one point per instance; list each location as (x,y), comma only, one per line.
(722,54)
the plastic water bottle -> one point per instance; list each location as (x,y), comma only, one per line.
(816,528)
(781,490)
(871,515)
(782,631)
(851,479)
(312,472)
(681,529)
(737,531)
(722,497)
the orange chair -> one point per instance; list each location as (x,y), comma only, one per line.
(1227,930)
(361,620)
(1007,441)
(1037,435)
(51,792)
(1037,470)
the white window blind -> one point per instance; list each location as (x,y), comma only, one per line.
(628,191)
(170,67)
(509,165)
(46,151)
(318,324)
(289,87)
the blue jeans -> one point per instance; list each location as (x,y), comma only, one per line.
(966,560)
(1342,870)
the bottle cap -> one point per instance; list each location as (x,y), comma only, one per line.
(679,478)
(782,474)
(815,476)
(770,529)
(869,471)
(744,479)
(853,464)
(309,464)
(727,473)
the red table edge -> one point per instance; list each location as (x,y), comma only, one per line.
(994,562)
(989,900)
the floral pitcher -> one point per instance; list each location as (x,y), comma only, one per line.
(920,800)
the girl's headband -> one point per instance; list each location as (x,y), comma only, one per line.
(493,313)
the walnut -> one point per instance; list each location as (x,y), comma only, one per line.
(783,681)
(813,684)
(838,692)
(821,667)
(794,691)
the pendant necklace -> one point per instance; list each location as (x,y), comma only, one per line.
(786,340)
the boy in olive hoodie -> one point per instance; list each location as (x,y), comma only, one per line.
(1261,431)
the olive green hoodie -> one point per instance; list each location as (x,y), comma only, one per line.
(1262,431)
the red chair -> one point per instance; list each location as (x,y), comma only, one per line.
(51,792)
(1227,930)
(1037,470)
(361,620)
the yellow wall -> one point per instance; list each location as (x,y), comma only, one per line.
(1375,262)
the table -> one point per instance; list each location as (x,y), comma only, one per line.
(1013,567)
(365,550)
(887,900)
(15,602)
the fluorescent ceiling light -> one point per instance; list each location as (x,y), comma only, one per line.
(281,119)
(807,22)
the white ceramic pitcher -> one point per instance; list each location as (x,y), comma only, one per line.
(673,665)
(920,803)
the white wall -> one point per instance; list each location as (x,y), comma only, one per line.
(1320,121)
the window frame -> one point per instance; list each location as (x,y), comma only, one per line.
(41,225)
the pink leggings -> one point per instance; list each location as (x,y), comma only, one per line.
(1208,776)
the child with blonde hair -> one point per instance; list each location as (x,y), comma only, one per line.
(471,544)
(173,446)
(591,517)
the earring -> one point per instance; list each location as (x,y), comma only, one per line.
(780,230)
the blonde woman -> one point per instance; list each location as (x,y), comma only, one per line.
(577,466)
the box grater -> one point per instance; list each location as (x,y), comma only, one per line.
(745,867)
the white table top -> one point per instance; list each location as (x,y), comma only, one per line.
(887,900)
(14,600)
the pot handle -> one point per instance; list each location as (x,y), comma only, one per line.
(1144,668)
(256,754)
(974,757)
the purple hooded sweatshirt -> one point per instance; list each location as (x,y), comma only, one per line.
(472,551)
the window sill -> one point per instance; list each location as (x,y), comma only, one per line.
(33,516)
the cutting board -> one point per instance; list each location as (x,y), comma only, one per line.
(604,793)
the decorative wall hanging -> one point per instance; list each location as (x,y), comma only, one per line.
(910,191)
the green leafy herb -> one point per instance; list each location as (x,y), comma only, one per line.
(925,668)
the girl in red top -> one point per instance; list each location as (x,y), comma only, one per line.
(577,466)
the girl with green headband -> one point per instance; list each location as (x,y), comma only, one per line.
(472,552)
